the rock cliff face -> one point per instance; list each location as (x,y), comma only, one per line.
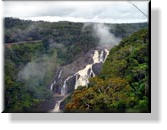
(77,74)
(69,77)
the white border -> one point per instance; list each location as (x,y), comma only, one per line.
(104,121)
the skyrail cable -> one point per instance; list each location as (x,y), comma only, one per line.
(138,9)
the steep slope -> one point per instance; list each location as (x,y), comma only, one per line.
(122,86)
(37,53)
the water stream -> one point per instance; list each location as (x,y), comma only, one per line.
(82,76)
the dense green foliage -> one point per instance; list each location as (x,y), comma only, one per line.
(18,96)
(31,61)
(68,37)
(33,52)
(65,32)
(122,86)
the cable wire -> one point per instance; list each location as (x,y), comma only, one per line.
(138,9)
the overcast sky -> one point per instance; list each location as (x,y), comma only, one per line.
(104,12)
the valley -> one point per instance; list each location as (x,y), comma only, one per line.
(56,60)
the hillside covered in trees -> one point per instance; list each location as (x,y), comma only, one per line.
(122,85)
(34,51)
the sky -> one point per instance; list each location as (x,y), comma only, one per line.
(81,11)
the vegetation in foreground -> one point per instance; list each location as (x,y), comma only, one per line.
(122,85)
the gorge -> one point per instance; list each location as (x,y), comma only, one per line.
(46,62)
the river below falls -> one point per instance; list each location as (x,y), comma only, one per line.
(58,99)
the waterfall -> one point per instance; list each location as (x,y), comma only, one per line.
(107,53)
(54,81)
(59,74)
(101,56)
(57,107)
(51,87)
(63,89)
(82,76)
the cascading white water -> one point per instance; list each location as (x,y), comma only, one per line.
(51,87)
(63,89)
(59,74)
(57,107)
(54,82)
(107,53)
(82,76)
(101,56)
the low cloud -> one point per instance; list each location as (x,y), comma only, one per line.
(102,32)
(37,71)
(106,39)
